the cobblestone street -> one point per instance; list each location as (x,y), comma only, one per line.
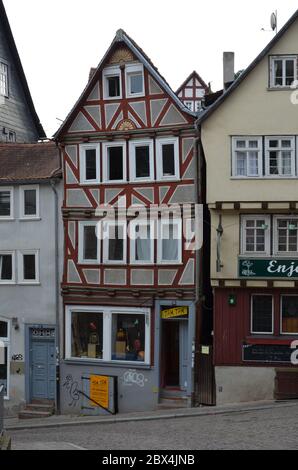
(275,428)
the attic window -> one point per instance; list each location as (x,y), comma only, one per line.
(134,80)
(113,86)
(112,83)
(283,71)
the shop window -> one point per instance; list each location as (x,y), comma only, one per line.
(280,156)
(286,235)
(289,314)
(247,156)
(29,202)
(6,268)
(283,71)
(255,237)
(87,335)
(6,203)
(115,162)
(89,163)
(262,314)
(88,243)
(141,158)
(167,151)
(128,337)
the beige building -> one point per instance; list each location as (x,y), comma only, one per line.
(250,142)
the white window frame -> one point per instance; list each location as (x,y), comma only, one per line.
(161,223)
(279,149)
(246,149)
(187,102)
(272,315)
(283,58)
(134,69)
(106,226)
(105,147)
(11,191)
(23,216)
(13,261)
(267,219)
(159,163)
(107,332)
(132,227)
(133,144)
(83,148)
(6,79)
(6,341)
(111,72)
(280,316)
(81,259)
(275,237)
(21,279)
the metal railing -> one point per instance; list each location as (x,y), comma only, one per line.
(1,408)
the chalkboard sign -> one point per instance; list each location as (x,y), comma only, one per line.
(266,353)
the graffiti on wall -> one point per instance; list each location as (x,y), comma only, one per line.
(72,388)
(133,377)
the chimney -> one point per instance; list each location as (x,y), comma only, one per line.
(228,69)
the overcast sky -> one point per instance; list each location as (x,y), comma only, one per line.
(59,40)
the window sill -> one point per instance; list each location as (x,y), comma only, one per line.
(7,283)
(29,219)
(280,88)
(33,283)
(112,98)
(7,219)
(237,178)
(101,362)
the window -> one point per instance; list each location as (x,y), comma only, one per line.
(87,335)
(198,106)
(3,79)
(167,158)
(89,163)
(112,83)
(134,80)
(189,105)
(141,160)
(7,274)
(170,241)
(289,314)
(283,71)
(286,235)
(4,368)
(280,156)
(29,202)
(28,267)
(141,242)
(115,162)
(89,245)
(114,242)
(262,314)
(6,203)
(255,235)
(108,333)
(247,156)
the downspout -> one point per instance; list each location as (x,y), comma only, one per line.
(53,186)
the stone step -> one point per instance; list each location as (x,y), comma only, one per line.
(39,407)
(30,414)
(173,402)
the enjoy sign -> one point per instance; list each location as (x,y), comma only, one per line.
(281,268)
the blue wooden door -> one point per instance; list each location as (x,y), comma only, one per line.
(43,370)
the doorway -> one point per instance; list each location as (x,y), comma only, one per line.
(174,360)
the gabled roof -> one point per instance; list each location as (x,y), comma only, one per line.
(193,74)
(121,36)
(29,162)
(19,69)
(249,69)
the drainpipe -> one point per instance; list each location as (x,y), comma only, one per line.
(53,186)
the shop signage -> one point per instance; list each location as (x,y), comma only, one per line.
(267,353)
(99,391)
(281,268)
(174,312)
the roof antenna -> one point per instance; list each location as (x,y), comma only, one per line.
(273,23)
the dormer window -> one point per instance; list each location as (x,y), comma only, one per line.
(283,71)
(134,80)
(112,83)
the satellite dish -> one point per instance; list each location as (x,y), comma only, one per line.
(273,21)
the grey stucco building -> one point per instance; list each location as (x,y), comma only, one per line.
(30,197)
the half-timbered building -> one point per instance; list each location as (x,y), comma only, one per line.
(192,92)
(129,299)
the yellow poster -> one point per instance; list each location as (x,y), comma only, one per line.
(174,312)
(99,390)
